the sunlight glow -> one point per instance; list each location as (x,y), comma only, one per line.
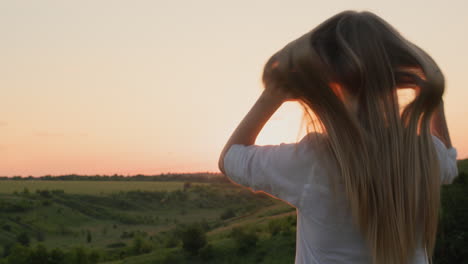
(284,126)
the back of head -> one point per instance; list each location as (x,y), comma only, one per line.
(388,164)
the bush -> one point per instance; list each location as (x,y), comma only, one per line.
(171,241)
(19,255)
(40,255)
(6,227)
(46,202)
(140,246)
(82,256)
(40,237)
(173,258)
(207,252)
(89,238)
(245,240)
(280,226)
(23,239)
(117,245)
(193,238)
(452,234)
(44,193)
(56,256)
(7,249)
(228,213)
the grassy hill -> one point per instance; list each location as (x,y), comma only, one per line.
(109,223)
(89,187)
(153,222)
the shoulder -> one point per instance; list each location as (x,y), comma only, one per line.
(315,137)
(313,141)
(308,150)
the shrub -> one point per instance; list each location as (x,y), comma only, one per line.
(40,254)
(140,246)
(89,238)
(6,227)
(23,239)
(193,238)
(82,256)
(44,193)
(19,254)
(117,245)
(228,213)
(207,252)
(173,258)
(279,226)
(452,234)
(56,256)
(40,237)
(171,241)
(245,239)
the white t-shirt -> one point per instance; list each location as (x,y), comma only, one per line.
(297,173)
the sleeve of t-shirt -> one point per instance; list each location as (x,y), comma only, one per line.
(278,170)
(447,160)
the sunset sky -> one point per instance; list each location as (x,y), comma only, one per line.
(128,87)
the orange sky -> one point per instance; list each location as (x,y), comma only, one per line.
(127,87)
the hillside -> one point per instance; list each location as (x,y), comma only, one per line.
(192,223)
(462,165)
(109,224)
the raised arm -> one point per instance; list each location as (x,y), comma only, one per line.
(439,125)
(248,129)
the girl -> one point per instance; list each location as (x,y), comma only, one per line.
(366,182)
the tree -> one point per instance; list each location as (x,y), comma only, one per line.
(140,246)
(40,255)
(452,234)
(89,238)
(187,185)
(193,238)
(7,249)
(19,255)
(23,239)
(40,236)
(207,252)
(80,256)
(94,256)
(56,256)
(228,213)
(245,240)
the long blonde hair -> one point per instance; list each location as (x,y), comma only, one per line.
(387,161)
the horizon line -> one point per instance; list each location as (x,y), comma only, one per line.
(115,174)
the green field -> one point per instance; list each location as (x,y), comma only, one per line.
(110,216)
(89,187)
(147,222)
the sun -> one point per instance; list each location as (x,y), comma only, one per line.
(284,126)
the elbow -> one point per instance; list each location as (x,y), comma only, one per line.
(222,157)
(221,163)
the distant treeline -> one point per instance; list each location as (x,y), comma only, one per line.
(193,177)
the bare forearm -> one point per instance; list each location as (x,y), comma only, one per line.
(439,125)
(248,129)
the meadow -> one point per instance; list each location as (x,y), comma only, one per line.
(105,219)
(178,221)
(88,187)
